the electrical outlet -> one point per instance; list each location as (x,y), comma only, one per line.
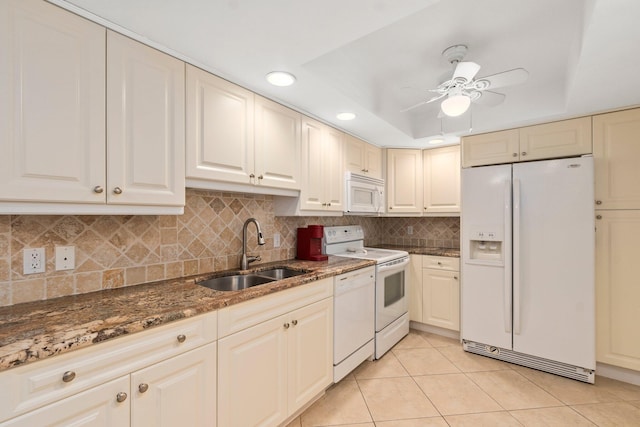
(410,230)
(276,240)
(33,261)
(65,257)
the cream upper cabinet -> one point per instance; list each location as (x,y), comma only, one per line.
(557,139)
(362,158)
(404,181)
(616,152)
(546,141)
(220,143)
(322,176)
(177,391)
(145,124)
(441,170)
(617,290)
(490,148)
(52,108)
(277,143)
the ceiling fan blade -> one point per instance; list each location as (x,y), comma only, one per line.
(488,98)
(466,70)
(506,78)
(419,104)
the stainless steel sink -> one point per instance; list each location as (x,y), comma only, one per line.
(280,273)
(236,282)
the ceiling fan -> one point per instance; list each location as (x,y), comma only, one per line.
(461,89)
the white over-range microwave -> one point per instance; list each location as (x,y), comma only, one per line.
(364,194)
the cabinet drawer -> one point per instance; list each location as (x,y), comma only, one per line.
(31,386)
(441,262)
(241,316)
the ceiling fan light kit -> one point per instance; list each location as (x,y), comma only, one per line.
(455,105)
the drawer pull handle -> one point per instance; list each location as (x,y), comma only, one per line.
(143,387)
(524,153)
(598,216)
(286,326)
(97,189)
(515,154)
(598,202)
(117,190)
(68,376)
(182,338)
(439,263)
(294,322)
(121,397)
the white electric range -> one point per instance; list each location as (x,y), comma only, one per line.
(391,304)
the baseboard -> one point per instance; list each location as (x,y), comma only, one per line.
(616,373)
(435,330)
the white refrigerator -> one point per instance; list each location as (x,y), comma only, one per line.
(527,276)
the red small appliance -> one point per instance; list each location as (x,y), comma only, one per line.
(310,243)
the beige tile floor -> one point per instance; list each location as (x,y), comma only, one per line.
(428,380)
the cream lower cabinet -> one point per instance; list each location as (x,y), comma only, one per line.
(404,181)
(617,290)
(545,141)
(437,292)
(163,376)
(280,361)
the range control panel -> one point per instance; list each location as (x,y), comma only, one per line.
(345,233)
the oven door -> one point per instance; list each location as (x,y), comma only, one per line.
(391,291)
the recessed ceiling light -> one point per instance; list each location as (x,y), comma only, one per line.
(345,116)
(436,141)
(281,78)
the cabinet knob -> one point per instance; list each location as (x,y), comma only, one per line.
(439,263)
(324,204)
(598,216)
(455,277)
(329,204)
(97,189)
(121,397)
(363,170)
(252,176)
(68,376)
(260,177)
(117,190)
(294,322)
(515,154)
(390,207)
(182,338)
(524,153)
(598,202)
(366,170)
(143,387)
(286,325)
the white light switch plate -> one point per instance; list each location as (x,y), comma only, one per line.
(65,258)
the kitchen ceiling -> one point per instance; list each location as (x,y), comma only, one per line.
(377,57)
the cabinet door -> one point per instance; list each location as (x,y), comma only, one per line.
(252,375)
(178,391)
(145,125)
(52,128)
(277,139)
(97,406)
(616,153)
(310,342)
(415,288)
(354,155)
(373,160)
(404,181)
(441,299)
(557,139)
(219,129)
(441,169)
(333,169)
(490,148)
(617,290)
(312,193)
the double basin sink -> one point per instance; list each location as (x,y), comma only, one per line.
(237,282)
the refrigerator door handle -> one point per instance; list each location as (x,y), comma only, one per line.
(516,256)
(506,251)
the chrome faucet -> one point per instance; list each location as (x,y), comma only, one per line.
(248,259)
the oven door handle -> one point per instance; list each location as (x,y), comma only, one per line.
(399,266)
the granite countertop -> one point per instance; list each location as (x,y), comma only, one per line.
(37,330)
(421,250)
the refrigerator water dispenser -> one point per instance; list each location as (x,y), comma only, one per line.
(485,245)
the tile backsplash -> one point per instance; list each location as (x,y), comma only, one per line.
(122,250)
